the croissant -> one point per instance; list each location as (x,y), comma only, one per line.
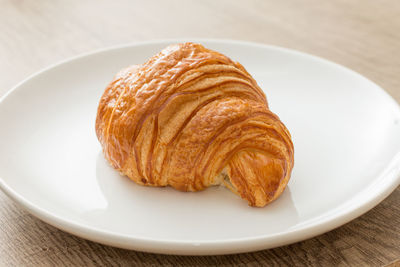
(191,118)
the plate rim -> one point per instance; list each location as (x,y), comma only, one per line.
(391,177)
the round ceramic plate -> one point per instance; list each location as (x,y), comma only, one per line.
(345,131)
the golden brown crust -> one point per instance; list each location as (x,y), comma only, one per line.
(191,118)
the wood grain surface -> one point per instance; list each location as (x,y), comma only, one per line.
(363,35)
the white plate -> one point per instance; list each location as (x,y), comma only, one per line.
(345,130)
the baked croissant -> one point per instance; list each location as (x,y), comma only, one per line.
(192,118)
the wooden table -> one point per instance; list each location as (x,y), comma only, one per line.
(363,35)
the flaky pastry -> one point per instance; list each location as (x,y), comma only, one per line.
(191,118)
